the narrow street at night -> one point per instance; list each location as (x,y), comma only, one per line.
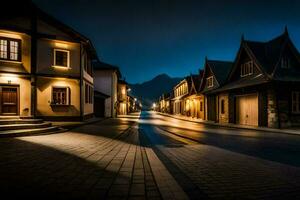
(151,156)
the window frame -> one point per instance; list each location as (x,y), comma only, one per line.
(210,81)
(68,58)
(68,96)
(247,68)
(8,51)
(296,102)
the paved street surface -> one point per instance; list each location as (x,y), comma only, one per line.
(151,157)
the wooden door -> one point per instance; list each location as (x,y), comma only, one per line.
(247,110)
(9,101)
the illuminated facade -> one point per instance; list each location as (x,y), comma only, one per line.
(106,78)
(122,98)
(181,90)
(45,68)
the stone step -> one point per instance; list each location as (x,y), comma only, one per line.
(20,121)
(24,126)
(28,132)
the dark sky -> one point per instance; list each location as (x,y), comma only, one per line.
(148,37)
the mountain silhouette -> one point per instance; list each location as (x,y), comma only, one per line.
(149,91)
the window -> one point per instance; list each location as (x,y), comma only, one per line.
(210,81)
(10,49)
(87,63)
(222,105)
(247,69)
(89,94)
(60,96)
(3,49)
(296,102)
(61,58)
(285,62)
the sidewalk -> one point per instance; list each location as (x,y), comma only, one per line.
(73,124)
(237,126)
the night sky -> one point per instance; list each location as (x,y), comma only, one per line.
(146,38)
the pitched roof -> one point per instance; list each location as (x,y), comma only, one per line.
(98,65)
(27,9)
(220,69)
(259,79)
(267,53)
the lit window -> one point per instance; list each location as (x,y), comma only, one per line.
(61,58)
(247,69)
(60,96)
(210,81)
(13,50)
(3,49)
(296,102)
(10,49)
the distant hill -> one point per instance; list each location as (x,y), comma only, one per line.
(149,91)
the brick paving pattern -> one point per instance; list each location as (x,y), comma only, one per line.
(130,159)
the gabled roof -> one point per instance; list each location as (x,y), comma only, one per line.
(220,70)
(27,9)
(98,65)
(267,55)
(196,80)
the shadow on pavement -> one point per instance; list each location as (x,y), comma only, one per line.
(36,171)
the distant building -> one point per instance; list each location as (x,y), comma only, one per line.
(214,77)
(122,98)
(106,78)
(195,101)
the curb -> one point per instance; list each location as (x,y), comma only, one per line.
(235,127)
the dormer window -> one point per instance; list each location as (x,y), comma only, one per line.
(285,63)
(10,49)
(247,69)
(61,58)
(210,81)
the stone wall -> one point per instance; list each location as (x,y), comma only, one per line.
(272,109)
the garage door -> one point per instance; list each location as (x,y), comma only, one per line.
(247,110)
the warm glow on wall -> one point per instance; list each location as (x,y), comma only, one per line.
(9,34)
(61,45)
(123,91)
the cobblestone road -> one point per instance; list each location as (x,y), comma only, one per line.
(132,158)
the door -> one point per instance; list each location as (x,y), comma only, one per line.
(9,101)
(99,107)
(247,110)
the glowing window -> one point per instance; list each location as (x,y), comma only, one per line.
(3,49)
(14,50)
(10,49)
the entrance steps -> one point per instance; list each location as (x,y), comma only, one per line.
(14,126)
